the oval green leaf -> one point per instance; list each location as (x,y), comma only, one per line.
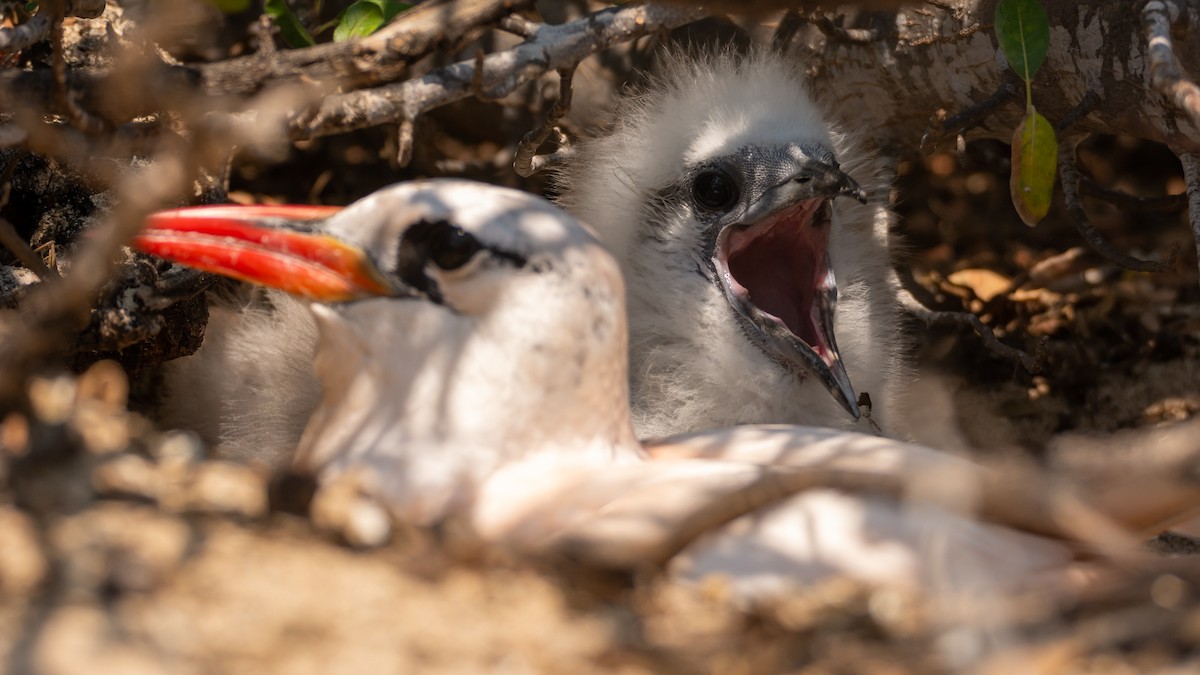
(1024,34)
(359,20)
(1034,166)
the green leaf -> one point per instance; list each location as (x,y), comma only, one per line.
(1034,166)
(231,6)
(365,17)
(289,24)
(1024,34)
(359,20)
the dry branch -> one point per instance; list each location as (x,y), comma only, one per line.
(37,28)
(933,317)
(376,59)
(550,48)
(1191,173)
(1070,175)
(1165,74)
(527,161)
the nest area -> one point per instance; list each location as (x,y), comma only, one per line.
(126,547)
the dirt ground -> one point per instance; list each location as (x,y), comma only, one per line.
(125,549)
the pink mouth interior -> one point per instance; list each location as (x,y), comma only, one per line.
(781,264)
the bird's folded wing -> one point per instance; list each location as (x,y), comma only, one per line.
(763,527)
(626,516)
(1139,500)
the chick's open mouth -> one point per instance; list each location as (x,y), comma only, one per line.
(780,266)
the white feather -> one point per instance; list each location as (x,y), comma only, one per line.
(691,367)
(249,390)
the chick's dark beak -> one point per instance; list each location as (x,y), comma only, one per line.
(775,268)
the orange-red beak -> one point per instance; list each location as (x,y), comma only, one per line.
(255,244)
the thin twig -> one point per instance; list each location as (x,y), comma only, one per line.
(1191,174)
(1165,74)
(527,162)
(850,36)
(932,317)
(942,127)
(1166,203)
(13,241)
(404,141)
(519,26)
(1070,176)
(1086,105)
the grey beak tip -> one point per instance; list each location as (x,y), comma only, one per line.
(852,408)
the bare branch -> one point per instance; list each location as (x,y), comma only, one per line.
(1191,173)
(850,36)
(552,48)
(13,241)
(37,28)
(1090,188)
(1165,74)
(519,26)
(526,163)
(932,317)
(25,35)
(1086,105)
(1070,176)
(376,59)
(941,127)
(9,237)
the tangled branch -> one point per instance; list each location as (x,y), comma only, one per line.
(550,47)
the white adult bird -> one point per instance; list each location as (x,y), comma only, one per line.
(472,360)
(754,292)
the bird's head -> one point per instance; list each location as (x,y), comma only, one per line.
(726,170)
(461,326)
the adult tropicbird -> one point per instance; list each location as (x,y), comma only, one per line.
(754,241)
(472,357)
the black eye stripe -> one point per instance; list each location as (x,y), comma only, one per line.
(444,244)
(414,255)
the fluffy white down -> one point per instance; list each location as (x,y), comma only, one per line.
(691,367)
(249,390)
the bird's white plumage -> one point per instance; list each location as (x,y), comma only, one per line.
(691,365)
(503,402)
(249,390)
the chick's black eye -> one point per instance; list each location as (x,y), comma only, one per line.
(450,248)
(715,190)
